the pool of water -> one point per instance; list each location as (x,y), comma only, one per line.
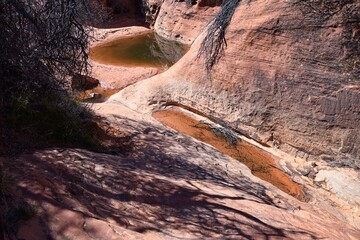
(262,164)
(146,50)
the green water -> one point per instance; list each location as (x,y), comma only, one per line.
(147,50)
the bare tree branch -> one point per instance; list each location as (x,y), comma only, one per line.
(214,43)
(44,42)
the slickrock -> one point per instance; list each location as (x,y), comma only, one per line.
(169,187)
(288,81)
(281,74)
(288,78)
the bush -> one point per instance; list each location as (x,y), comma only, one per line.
(43,46)
(51,120)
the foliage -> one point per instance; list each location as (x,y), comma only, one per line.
(43,46)
(50,120)
(44,43)
(189,3)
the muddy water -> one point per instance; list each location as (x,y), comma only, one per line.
(146,50)
(261,163)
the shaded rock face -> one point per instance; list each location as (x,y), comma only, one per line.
(80,82)
(122,6)
(150,9)
(172,50)
(288,77)
(210,3)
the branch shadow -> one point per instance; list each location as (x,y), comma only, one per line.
(160,186)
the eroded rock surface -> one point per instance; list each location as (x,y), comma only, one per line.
(169,186)
(286,75)
(288,78)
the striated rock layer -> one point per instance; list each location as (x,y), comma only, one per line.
(288,77)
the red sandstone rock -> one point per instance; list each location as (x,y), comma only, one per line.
(282,74)
(288,78)
(279,80)
(169,187)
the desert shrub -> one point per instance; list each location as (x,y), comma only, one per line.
(44,44)
(51,120)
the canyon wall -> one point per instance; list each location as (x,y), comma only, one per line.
(123,7)
(289,76)
(181,22)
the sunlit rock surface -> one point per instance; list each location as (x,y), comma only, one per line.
(289,78)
